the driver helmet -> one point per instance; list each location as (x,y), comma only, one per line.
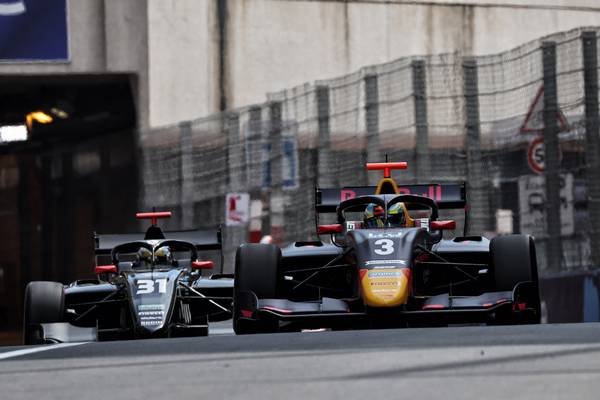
(374,216)
(397,216)
(163,255)
(144,256)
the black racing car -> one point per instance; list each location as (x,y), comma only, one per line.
(386,275)
(149,285)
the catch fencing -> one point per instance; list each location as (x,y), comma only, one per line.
(520,127)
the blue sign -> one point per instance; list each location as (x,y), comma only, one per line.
(289,163)
(289,167)
(33,30)
(266,164)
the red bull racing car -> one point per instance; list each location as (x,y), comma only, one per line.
(148,285)
(387,265)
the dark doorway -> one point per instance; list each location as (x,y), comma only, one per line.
(73,175)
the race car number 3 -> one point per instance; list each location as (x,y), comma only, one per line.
(384,247)
(147,286)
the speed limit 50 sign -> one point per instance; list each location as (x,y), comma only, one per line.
(536,155)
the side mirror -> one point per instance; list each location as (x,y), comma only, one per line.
(329,229)
(442,225)
(105,269)
(202,264)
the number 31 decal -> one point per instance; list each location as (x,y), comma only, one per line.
(147,286)
(387,247)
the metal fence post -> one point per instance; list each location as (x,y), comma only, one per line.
(476,184)
(372,153)
(236,177)
(592,148)
(257,175)
(324,165)
(422,167)
(254,142)
(187,176)
(236,155)
(275,142)
(552,169)
(274,220)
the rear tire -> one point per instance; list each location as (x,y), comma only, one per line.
(257,271)
(514,260)
(44,303)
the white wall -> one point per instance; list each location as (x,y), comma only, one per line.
(275,44)
(126,33)
(183,60)
(172,46)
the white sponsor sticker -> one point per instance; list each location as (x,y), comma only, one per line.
(379,262)
(151,307)
(384,274)
(384,235)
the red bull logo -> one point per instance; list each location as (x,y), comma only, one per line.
(432,191)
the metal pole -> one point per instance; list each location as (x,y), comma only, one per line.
(372,153)
(254,142)
(324,177)
(236,177)
(592,148)
(187,176)
(551,145)
(422,167)
(270,219)
(235,152)
(476,183)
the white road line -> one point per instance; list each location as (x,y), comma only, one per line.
(39,349)
(221,331)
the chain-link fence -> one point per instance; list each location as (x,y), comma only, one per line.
(520,127)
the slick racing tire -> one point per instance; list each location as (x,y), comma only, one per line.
(44,303)
(513,261)
(256,271)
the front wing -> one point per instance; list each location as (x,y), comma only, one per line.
(61,332)
(492,307)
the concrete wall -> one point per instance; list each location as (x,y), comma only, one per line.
(274,44)
(126,44)
(190,57)
(183,60)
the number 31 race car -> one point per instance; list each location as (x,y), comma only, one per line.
(387,266)
(151,287)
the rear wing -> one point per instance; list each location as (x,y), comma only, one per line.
(447,195)
(210,239)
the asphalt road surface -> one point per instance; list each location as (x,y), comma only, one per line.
(476,362)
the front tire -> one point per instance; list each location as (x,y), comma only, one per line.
(44,303)
(256,271)
(514,260)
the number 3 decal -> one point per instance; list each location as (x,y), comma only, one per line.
(387,247)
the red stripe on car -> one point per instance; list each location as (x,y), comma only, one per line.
(433,307)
